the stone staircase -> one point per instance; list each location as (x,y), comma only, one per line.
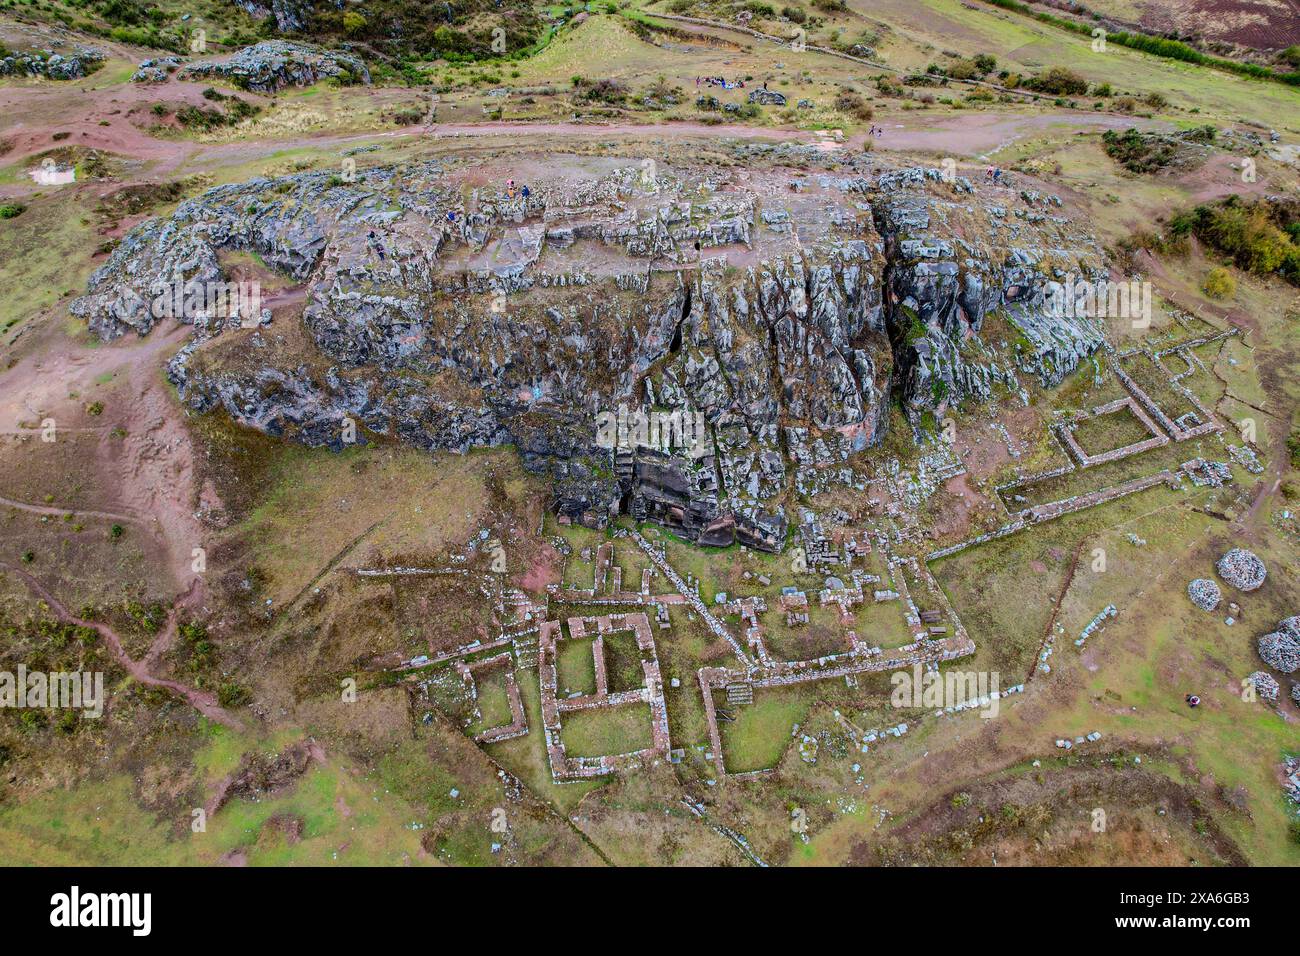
(741,692)
(527,653)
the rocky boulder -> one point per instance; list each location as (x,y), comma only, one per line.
(275,64)
(156,70)
(1205,594)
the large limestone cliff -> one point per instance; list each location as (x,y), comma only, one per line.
(784,308)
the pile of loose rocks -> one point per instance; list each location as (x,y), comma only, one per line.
(156,71)
(1242,569)
(1280,651)
(1205,594)
(1265,685)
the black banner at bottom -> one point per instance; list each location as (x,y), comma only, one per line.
(146,905)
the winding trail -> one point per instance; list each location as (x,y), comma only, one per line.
(36,113)
(202,701)
(56,512)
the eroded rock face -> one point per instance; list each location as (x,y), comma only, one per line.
(275,64)
(956,259)
(770,305)
(290,15)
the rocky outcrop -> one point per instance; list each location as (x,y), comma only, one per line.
(275,64)
(156,70)
(55,66)
(774,311)
(290,15)
(954,261)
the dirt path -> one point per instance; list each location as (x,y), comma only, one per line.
(151,466)
(35,112)
(56,512)
(202,701)
(966,134)
(39,112)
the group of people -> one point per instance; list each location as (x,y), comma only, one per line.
(993,175)
(721,81)
(875,130)
(513,190)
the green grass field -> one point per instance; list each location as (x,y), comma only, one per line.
(605,731)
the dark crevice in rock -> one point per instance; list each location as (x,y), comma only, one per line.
(676,345)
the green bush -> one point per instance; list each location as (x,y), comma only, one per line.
(1219,284)
(1256,233)
(605,91)
(963,70)
(1146,152)
(232,694)
(852,103)
(1058,81)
